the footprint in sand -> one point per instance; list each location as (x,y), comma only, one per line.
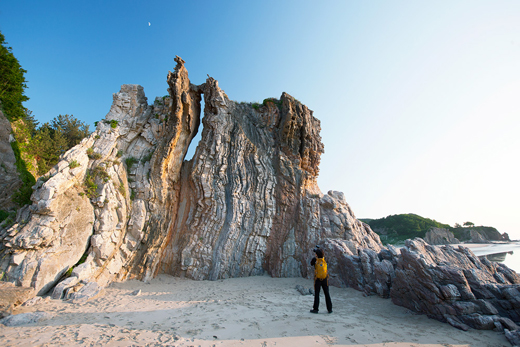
(194,332)
(330,340)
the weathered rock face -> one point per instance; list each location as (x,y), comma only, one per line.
(477,237)
(448,284)
(454,285)
(9,178)
(254,172)
(125,199)
(364,269)
(480,234)
(440,236)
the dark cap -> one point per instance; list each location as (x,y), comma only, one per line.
(319,253)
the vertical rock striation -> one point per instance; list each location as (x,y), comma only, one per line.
(249,201)
(124,203)
(158,194)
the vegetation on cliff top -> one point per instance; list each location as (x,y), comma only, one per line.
(49,141)
(400,227)
(12,83)
(397,228)
(37,149)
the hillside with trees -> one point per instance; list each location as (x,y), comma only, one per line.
(397,228)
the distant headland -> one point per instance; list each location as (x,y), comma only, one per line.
(397,228)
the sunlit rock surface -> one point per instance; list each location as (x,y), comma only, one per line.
(124,203)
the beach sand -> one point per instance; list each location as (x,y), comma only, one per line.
(252,311)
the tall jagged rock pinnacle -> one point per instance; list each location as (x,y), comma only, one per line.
(127,201)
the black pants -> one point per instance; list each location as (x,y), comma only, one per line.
(325,285)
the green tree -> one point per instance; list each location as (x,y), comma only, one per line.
(53,139)
(12,83)
(468,224)
(41,145)
(46,147)
(404,226)
(12,95)
(72,129)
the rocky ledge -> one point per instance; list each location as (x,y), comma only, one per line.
(440,236)
(446,283)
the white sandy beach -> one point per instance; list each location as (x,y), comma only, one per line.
(253,311)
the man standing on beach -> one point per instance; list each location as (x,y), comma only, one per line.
(321,280)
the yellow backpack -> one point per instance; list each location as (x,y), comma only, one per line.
(320,269)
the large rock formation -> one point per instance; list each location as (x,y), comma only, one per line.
(480,234)
(125,199)
(448,284)
(125,204)
(440,236)
(9,177)
(454,285)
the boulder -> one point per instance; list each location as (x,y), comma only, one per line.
(452,282)
(12,296)
(25,318)
(440,236)
(513,337)
(88,292)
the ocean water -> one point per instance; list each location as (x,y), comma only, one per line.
(506,253)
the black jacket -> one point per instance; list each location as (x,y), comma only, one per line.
(313,261)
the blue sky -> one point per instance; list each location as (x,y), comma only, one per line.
(419,102)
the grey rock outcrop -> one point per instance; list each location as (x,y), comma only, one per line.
(448,284)
(513,337)
(477,237)
(454,283)
(368,270)
(25,318)
(440,236)
(480,234)
(9,178)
